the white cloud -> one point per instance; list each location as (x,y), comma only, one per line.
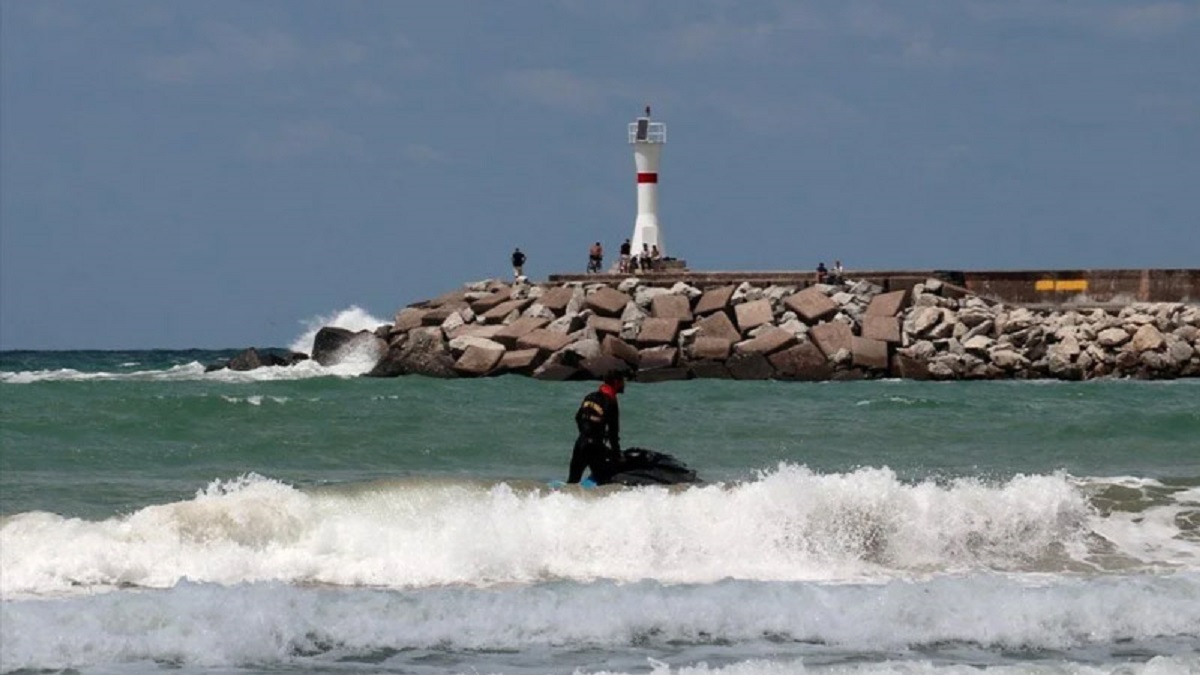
(1144,20)
(425,154)
(1152,20)
(227,50)
(813,113)
(370,91)
(294,140)
(555,87)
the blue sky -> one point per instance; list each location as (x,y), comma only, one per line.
(214,174)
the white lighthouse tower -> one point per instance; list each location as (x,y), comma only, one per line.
(647,139)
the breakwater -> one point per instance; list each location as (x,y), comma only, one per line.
(856,329)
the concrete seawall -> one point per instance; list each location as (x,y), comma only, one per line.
(1014,287)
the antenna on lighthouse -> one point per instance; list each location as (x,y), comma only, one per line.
(647,139)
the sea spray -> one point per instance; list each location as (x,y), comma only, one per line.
(791,524)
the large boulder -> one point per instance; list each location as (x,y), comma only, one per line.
(332,345)
(423,352)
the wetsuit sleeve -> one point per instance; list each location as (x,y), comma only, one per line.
(614,427)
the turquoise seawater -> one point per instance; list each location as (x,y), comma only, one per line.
(154,517)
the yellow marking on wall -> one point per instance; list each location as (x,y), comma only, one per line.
(1061,285)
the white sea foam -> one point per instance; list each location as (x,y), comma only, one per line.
(351,364)
(353,318)
(214,626)
(789,525)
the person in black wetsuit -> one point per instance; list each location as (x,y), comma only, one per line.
(599,420)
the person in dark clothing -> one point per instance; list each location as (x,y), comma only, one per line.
(518,263)
(599,420)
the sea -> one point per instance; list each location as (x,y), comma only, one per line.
(158,518)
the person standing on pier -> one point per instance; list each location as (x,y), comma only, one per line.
(595,258)
(518,263)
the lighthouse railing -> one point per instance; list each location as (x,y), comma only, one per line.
(644,131)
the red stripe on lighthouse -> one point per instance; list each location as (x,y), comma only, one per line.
(647,178)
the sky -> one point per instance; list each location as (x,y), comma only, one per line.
(218,174)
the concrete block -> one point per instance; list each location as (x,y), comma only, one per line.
(554,372)
(662,375)
(887,304)
(657,357)
(518,361)
(476,330)
(408,319)
(811,305)
(831,336)
(615,346)
(456,297)
(605,324)
(801,362)
(478,360)
(672,307)
(753,314)
(490,301)
(599,366)
(503,309)
(556,299)
(607,301)
(437,315)
(750,366)
(459,345)
(508,335)
(718,325)
(768,342)
(711,348)
(881,327)
(709,370)
(658,331)
(713,300)
(868,353)
(910,368)
(545,340)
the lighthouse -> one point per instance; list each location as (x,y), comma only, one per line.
(647,139)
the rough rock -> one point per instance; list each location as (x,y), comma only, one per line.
(607,301)
(711,348)
(768,342)
(478,360)
(801,362)
(887,304)
(604,324)
(753,314)
(881,327)
(713,300)
(671,307)
(614,346)
(502,310)
(718,325)
(512,333)
(658,331)
(811,305)
(1147,338)
(749,366)
(545,340)
(868,353)
(556,299)
(831,337)
(518,361)
(657,357)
